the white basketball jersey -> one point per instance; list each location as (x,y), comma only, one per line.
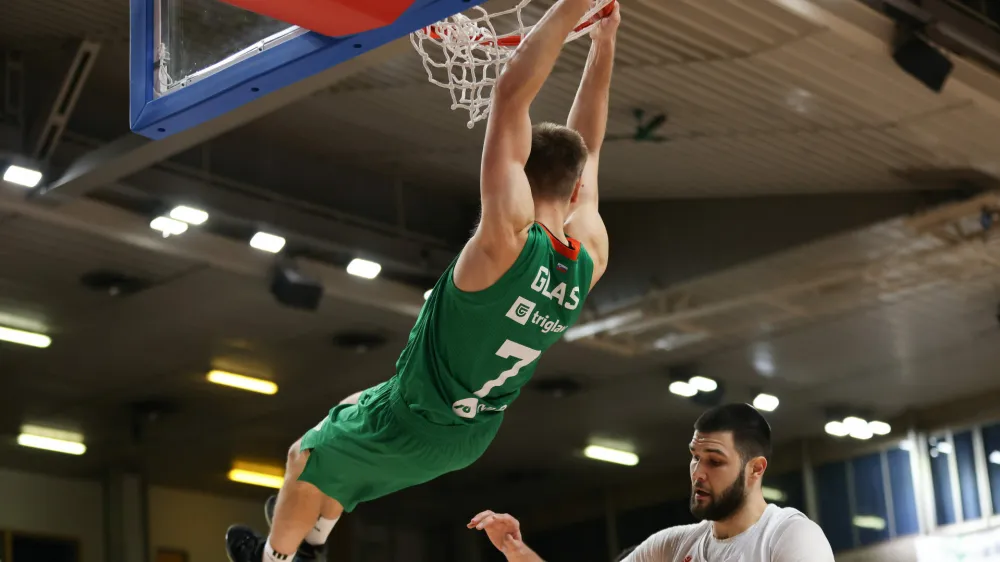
(778,531)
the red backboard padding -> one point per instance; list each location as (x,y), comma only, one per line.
(335,18)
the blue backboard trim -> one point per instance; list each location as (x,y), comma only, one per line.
(140,57)
(294,60)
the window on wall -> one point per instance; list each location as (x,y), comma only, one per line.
(991,447)
(941,451)
(904,497)
(965,460)
(834,505)
(871,516)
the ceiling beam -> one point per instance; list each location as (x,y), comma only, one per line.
(131,153)
(49,132)
(113,223)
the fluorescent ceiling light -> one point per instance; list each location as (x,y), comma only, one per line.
(837,429)
(257,475)
(703,384)
(773,494)
(267,242)
(24,338)
(854,423)
(22,176)
(681,388)
(879,428)
(364,268)
(766,402)
(607,454)
(427,293)
(168,226)
(189,215)
(862,433)
(54,440)
(872,522)
(242,382)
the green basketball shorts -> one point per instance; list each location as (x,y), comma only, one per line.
(367,450)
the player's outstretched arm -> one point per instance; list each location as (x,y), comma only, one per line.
(504,531)
(589,116)
(508,209)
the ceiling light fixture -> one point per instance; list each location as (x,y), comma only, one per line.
(257,475)
(267,242)
(242,382)
(168,226)
(25,177)
(857,428)
(364,268)
(189,215)
(766,402)
(49,439)
(24,338)
(879,427)
(703,384)
(682,388)
(607,454)
(837,429)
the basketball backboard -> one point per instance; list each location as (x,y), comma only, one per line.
(193,60)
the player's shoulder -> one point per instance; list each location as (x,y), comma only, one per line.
(792,530)
(784,517)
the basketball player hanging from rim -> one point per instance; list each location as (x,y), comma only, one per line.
(518,284)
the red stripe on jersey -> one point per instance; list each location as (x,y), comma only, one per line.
(569,252)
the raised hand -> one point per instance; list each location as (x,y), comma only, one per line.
(503,530)
(607,27)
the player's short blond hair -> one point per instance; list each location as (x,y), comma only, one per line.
(558,155)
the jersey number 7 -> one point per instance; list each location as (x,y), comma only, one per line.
(509,349)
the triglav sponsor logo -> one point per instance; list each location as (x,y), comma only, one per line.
(521,310)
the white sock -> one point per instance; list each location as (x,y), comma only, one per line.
(321,531)
(271,555)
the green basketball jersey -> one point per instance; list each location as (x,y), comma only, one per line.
(469,354)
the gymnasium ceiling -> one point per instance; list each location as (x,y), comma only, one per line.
(809,228)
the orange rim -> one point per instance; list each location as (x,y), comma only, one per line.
(513,40)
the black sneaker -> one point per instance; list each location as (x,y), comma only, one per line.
(306,552)
(244,545)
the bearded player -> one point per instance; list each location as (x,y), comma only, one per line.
(518,284)
(729,454)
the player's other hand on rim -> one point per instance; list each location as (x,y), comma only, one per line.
(503,530)
(607,27)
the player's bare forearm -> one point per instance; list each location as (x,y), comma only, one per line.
(534,59)
(589,115)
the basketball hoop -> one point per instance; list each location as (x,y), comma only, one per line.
(471,54)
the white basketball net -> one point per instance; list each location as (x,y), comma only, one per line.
(467,54)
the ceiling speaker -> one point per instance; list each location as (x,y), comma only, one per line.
(295,290)
(921,60)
